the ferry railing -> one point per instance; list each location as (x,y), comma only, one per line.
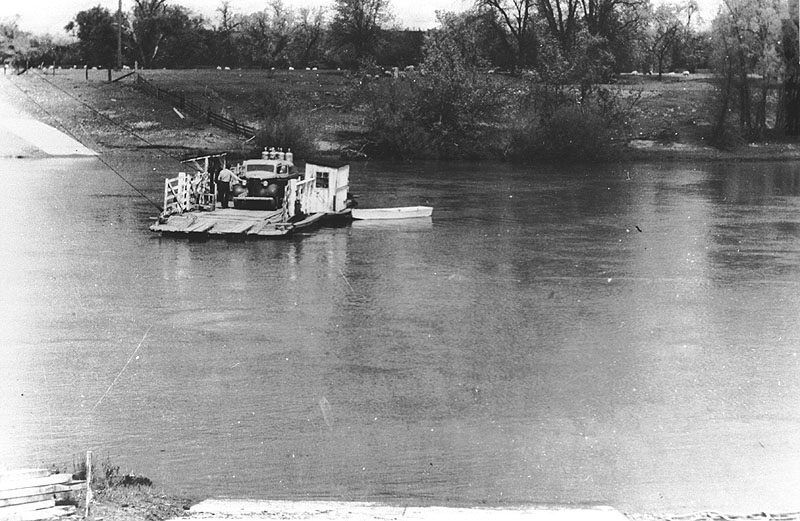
(185,193)
(176,195)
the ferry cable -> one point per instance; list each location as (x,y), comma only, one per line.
(123,368)
(75,137)
(115,123)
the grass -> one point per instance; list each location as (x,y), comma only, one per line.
(125,497)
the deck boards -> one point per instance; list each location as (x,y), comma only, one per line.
(223,221)
(233,221)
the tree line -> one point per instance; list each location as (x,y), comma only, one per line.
(513,35)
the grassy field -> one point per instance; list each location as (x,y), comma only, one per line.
(675,108)
(249,96)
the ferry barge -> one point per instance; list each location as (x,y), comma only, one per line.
(274,200)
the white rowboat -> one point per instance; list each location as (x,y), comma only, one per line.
(405,212)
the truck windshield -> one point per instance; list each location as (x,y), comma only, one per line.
(260,168)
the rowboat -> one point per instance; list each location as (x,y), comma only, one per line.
(404,212)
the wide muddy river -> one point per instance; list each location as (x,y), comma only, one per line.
(625,335)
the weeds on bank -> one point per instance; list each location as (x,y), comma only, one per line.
(124,496)
(106,476)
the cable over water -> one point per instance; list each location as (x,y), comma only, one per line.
(69,132)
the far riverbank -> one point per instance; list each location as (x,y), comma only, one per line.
(670,119)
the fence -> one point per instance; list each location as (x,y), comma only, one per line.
(195,109)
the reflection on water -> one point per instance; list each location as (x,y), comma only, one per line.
(620,335)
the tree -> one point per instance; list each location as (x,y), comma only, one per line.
(149,28)
(562,21)
(788,117)
(666,29)
(267,35)
(14,43)
(185,41)
(747,36)
(97,34)
(447,111)
(356,28)
(611,18)
(621,23)
(307,45)
(515,19)
(225,34)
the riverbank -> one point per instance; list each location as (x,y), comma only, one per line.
(670,120)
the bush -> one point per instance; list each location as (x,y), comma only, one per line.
(563,126)
(449,109)
(726,136)
(287,131)
(571,133)
(433,118)
(108,476)
(282,125)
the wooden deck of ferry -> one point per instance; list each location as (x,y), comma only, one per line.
(234,222)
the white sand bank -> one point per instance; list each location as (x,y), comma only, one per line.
(250,510)
(44,137)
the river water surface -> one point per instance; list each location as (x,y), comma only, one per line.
(624,335)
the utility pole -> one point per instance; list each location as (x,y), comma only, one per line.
(119,36)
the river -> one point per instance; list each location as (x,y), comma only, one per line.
(622,335)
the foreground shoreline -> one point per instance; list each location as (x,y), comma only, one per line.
(144,504)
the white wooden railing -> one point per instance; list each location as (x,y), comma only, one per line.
(185,193)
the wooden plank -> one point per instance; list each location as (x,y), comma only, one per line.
(25,500)
(37,505)
(232,227)
(200,227)
(46,513)
(35,482)
(42,489)
(242,227)
(175,223)
(124,76)
(267,229)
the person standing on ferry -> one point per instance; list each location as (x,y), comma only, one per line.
(224,179)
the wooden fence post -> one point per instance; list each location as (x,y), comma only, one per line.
(88,480)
